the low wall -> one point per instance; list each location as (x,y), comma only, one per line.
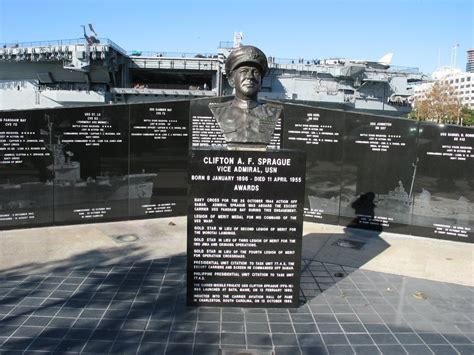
(104,163)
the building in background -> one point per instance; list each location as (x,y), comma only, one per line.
(470,61)
(461,82)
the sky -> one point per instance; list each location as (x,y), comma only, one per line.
(420,33)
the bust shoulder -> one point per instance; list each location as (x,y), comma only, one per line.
(272,109)
(273,105)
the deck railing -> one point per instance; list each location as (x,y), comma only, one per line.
(61,42)
(273,61)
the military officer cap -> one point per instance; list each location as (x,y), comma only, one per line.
(246,55)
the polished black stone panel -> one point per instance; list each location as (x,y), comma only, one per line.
(91,163)
(245,221)
(277,137)
(319,133)
(444,184)
(158,159)
(204,130)
(378,172)
(116,162)
(26,162)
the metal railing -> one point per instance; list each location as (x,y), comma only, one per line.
(61,42)
(174,63)
(171,54)
(114,45)
(293,61)
(273,61)
(414,70)
(163,92)
(58,42)
(14,84)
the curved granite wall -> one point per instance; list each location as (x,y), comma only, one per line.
(104,163)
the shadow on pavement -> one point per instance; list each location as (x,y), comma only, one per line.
(133,305)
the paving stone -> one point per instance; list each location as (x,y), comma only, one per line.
(259,339)
(142,307)
(257,328)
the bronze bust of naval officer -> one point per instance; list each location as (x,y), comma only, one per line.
(245,122)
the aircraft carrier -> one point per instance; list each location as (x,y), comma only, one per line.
(95,71)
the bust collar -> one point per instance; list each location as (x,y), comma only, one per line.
(244,104)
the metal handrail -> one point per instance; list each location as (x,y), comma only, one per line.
(43,43)
(114,45)
(60,42)
(171,63)
(404,69)
(107,41)
(176,55)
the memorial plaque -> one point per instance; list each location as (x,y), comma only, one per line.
(319,132)
(205,131)
(245,228)
(158,159)
(378,172)
(91,180)
(26,170)
(444,184)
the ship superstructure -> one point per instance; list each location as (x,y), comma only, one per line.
(90,72)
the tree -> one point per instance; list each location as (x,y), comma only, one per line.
(440,104)
(467,116)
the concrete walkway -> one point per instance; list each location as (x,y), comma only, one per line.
(39,249)
(78,290)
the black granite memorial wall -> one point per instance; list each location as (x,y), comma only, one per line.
(74,165)
(378,172)
(90,147)
(26,170)
(319,133)
(205,131)
(444,186)
(158,159)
